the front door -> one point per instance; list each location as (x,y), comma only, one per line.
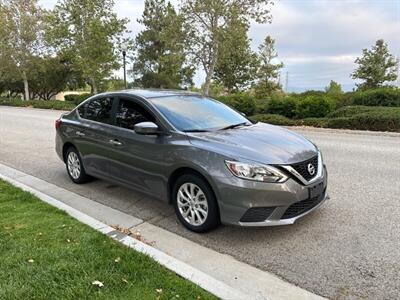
(135,159)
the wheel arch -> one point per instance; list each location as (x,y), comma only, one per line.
(66,146)
(185,170)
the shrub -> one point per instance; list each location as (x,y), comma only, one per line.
(241,102)
(378,97)
(273,119)
(77,98)
(313,106)
(350,111)
(285,107)
(50,104)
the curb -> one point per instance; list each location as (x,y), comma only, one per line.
(203,280)
(220,274)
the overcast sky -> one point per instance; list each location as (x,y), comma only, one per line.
(317,40)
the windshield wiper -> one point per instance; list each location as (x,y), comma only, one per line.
(234,126)
(195,130)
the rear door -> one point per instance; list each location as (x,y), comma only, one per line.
(93,135)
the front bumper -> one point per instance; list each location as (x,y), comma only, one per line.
(279,203)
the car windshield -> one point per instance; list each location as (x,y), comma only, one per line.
(196,113)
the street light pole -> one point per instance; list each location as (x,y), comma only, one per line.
(124,49)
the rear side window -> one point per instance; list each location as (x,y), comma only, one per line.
(98,110)
(130,113)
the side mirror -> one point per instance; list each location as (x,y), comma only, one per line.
(146,128)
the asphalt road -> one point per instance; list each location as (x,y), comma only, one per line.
(347,249)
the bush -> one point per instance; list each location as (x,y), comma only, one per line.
(241,102)
(77,98)
(350,111)
(378,97)
(273,119)
(313,106)
(353,117)
(285,107)
(375,121)
(50,104)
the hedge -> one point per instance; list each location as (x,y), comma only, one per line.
(50,104)
(274,119)
(352,117)
(77,98)
(313,106)
(378,97)
(284,106)
(241,102)
(300,108)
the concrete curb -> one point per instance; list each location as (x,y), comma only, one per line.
(220,274)
(203,280)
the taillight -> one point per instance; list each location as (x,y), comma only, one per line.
(58,123)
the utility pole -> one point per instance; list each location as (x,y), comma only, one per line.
(287,82)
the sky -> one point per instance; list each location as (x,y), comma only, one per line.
(317,40)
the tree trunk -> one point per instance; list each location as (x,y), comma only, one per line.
(210,73)
(94,86)
(26,86)
(211,66)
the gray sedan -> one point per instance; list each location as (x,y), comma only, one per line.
(208,160)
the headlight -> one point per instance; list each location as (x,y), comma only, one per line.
(255,172)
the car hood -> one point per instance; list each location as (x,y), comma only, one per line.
(260,142)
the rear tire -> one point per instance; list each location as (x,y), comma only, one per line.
(195,204)
(74,165)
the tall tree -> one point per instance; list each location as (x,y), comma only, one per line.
(160,60)
(207,21)
(268,71)
(236,63)
(21,29)
(376,67)
(91,33)
(334,88)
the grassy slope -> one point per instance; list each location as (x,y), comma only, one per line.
(68,256)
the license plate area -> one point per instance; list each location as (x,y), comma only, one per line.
(316,190)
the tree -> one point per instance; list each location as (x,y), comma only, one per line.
(91,33)
(236,63)
(51,75)
(268,71)
(21,29)
(375,67)
(334,88)
(160,48)
(207,21)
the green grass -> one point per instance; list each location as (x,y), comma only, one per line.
(68,256)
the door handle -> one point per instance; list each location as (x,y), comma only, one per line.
(79,133)
(115,142)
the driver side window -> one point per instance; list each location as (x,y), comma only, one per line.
(130,113)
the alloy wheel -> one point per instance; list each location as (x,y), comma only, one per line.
(192,204)
(74,165)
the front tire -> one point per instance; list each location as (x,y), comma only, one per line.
(195,203)
(74,165)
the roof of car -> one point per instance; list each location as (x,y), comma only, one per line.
(154,93)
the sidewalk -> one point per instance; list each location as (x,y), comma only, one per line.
(217,273)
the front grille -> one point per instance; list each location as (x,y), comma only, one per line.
(302,168)
(257,214)
(300,207)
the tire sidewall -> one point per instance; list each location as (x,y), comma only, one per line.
(212,219)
